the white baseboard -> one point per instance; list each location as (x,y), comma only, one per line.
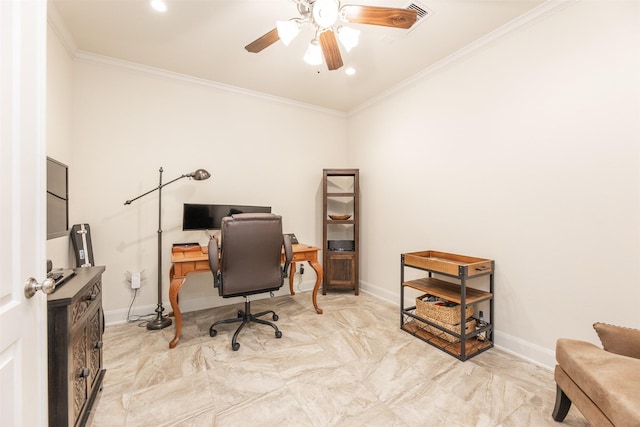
(381,293)
(119,316)
(525,350)
(518,347)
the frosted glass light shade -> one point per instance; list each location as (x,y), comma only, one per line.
(313,56)
(287,31)
(348,37)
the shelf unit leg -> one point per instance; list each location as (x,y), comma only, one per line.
(401,290)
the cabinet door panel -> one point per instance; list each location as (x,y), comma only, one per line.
(341,270)
(95,345)
(77,374)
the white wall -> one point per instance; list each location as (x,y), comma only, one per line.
(127,124)
(527,152)
(59,127)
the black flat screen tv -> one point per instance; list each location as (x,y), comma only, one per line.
(57,199)
(209,217)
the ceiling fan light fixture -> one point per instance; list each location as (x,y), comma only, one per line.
(322,17)
(313,56)
(325,12)
(348,37)
(288,30)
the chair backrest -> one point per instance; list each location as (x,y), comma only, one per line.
(251,254)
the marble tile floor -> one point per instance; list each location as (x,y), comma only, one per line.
(351,366)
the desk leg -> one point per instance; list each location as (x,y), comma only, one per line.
(318,269)
(292,272)
(174,289)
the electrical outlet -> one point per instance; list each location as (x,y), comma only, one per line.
(301,269)
(135,280)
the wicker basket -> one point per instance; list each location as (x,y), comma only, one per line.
(470,326)
(440,313)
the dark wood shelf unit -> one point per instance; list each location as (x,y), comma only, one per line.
(461,268)
(341,196)
(74,334)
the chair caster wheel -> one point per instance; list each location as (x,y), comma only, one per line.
(278,334)
(240,314)
(275,317)
(212,332)
(235,346)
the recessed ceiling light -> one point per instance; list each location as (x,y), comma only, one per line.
(159,5)
(350,71)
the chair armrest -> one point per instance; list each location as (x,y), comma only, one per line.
(618,339)
(214,260)
(288,254)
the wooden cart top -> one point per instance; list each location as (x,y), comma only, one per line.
(451,264)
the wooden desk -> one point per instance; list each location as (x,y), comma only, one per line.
(186,260)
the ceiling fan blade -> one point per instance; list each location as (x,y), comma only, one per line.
(330,50)
(263,42)
(385,16)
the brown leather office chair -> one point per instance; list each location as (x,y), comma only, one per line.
(249,263)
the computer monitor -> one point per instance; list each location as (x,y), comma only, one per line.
(209,217)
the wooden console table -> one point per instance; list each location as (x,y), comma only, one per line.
(74,333)
(191,259)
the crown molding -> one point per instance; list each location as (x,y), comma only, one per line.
(528,19)
(60,29)
(93,58)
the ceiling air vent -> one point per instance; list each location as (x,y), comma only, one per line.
(422,11)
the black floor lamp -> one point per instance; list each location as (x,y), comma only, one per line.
(161,321)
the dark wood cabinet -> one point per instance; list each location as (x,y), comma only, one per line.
(341,229)
(75,326)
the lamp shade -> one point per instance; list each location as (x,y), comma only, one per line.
(287,31)
(348,37)
(199,175)
(313,56)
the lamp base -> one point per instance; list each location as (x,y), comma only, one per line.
(159,323)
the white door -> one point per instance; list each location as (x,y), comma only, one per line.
(23,323)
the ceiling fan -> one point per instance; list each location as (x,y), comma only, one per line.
(322,16)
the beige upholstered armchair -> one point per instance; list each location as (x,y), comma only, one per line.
(603,383)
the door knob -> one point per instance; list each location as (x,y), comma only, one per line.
(32,286)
